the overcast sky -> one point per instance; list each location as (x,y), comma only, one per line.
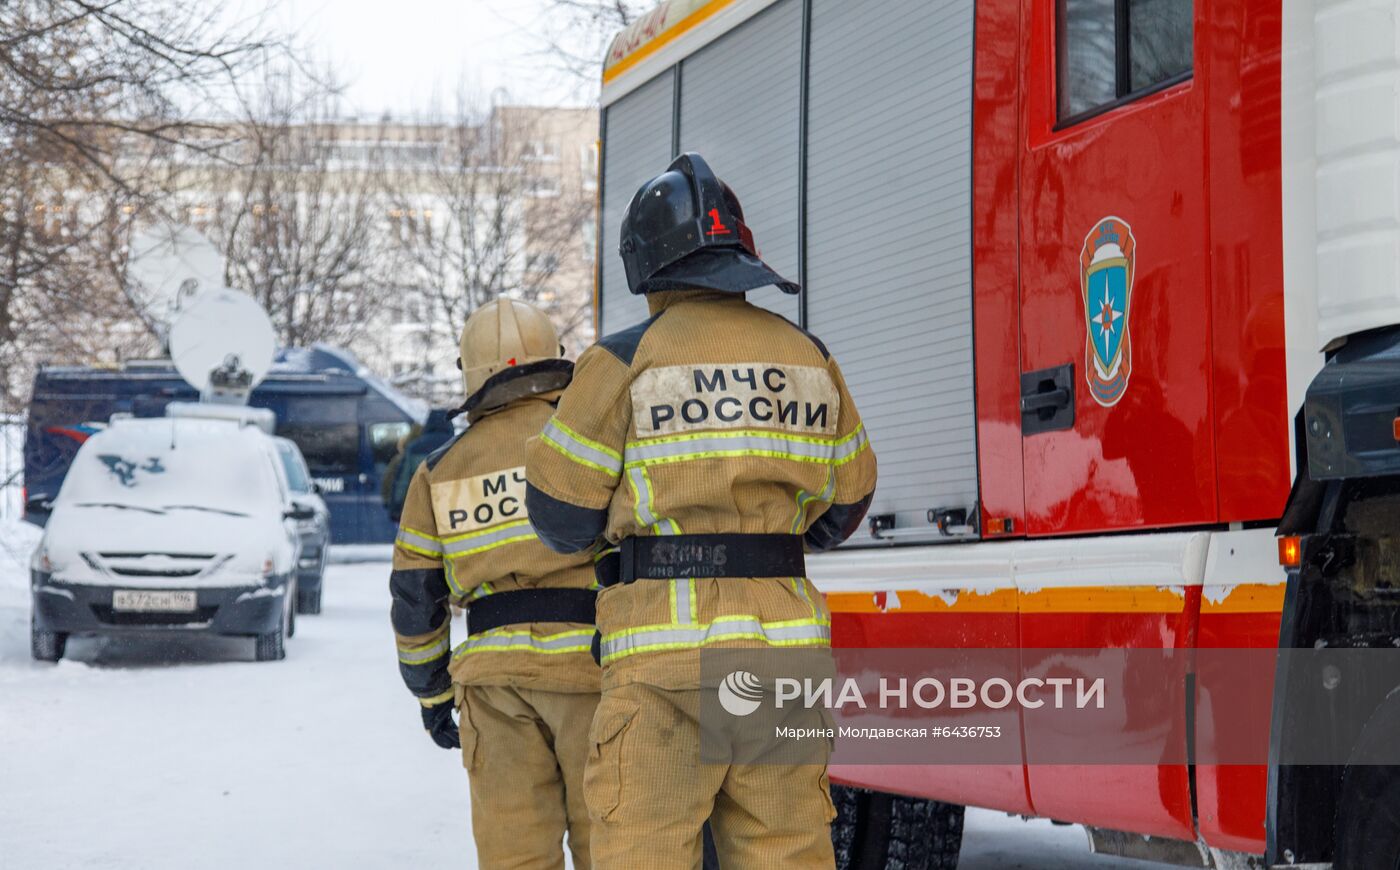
(399,55)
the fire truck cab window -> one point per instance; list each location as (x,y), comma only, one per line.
(1111,51)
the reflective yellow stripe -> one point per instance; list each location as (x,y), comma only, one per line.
(451,574)
(736,433)
(505,640)
(488,539)
(805,498)
(745,442)
(642,509)
(846,451)
(436,699)
(424,653)
(799,586)
(419,542)
(674,636)
(412,549)
(584,451)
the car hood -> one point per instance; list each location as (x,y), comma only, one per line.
(186,547)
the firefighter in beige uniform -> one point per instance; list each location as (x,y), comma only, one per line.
(524,682)
(715,427)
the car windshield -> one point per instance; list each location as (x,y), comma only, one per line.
(148,470)
(297,481)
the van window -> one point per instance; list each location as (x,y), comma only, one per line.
(297,480)
(329,449)
(1112,51)
(384,441)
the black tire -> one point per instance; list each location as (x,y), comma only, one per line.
(878,831)
(1368,808)
(309,601)
(46,646)
(292,611)
(1368,819)
(272,647)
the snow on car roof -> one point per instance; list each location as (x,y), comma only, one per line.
(158,462)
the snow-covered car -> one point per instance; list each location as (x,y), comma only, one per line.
(170,524)
(315,531)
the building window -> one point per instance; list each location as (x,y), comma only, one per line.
(541,149)
(588,166)
(1113,51)
(588,232)
(542,187)
(409,309)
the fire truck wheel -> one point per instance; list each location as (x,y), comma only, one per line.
(1368,812)
(878,831)
(1368,819)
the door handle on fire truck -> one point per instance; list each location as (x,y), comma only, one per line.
(1047,400)
(1059,398)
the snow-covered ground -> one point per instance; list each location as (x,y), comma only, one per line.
(147,754)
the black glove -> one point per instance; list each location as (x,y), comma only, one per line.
(441,726)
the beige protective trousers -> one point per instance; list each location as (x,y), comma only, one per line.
(649,795)
(525,750)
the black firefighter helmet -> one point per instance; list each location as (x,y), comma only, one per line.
(685,229)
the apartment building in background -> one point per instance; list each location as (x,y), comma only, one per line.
(425,220)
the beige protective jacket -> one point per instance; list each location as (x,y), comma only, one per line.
(465,534)
(714,416)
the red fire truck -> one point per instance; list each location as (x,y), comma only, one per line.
(1109,280)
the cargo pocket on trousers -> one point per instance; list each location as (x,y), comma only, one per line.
(467,732)
(602,777)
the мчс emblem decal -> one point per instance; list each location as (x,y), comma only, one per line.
(1106,271)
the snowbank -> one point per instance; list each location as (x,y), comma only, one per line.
(152,754)
(17,541)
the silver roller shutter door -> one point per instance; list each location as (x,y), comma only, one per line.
(740,109)
(638,147)
(889,236)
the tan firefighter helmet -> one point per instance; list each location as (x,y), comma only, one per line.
(509,350)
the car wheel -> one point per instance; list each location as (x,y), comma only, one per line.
(272,647)
(291,608)
(309,601)
(46,646)
(874,830)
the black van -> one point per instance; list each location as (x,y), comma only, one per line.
(346,421)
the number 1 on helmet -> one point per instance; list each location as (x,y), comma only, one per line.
(717,227)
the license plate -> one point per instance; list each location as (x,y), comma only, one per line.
(153,601)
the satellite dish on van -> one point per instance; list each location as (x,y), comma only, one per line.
(169,264)
(223,344)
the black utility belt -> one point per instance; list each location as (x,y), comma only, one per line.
(530,605)
(673,557)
